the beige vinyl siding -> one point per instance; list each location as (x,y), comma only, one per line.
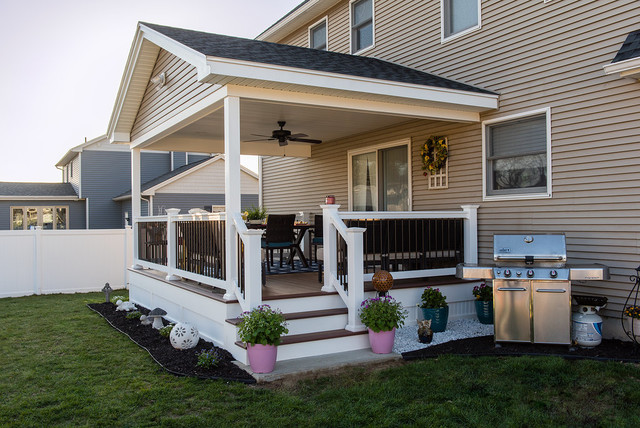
(181,91)
(210,179)
(535,55)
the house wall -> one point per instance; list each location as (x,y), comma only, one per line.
(76,211)
(179,159)
(74,173)
(186,201)
(180,91)
(209,179)
(535,55)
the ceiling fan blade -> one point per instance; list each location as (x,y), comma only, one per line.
(261,139)
(297,136)
(305,140)
(260,135)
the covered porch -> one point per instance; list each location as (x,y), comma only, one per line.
(241,98)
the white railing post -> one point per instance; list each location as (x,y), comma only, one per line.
(470,233)
(252,268)
(355,276)
(172,244)
(329,245)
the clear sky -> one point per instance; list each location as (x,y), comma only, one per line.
(62,62)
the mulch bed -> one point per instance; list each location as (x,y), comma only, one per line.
(177,362)
(608,350)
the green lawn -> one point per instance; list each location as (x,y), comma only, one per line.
(62,364)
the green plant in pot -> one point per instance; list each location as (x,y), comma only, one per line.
(484,302)
(256,215)
(261,329)
(382,315)
(435,308)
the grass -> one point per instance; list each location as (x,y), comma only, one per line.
(62,365)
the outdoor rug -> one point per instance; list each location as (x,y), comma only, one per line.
(298,267)
(608,350)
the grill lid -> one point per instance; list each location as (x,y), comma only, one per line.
(529,249)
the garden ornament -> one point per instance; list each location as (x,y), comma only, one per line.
(157,315)
(107,291)
(125,306)
(184,336)
(145,320)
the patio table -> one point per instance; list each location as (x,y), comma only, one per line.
(300,230)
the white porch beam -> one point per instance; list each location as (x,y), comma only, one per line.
(231,187)
(136,204)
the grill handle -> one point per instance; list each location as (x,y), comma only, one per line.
(512,289)
(551,290)
(538,259)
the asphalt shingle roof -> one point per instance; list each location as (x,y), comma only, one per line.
(36,189)
(164,177)
(305,58)
(630,48)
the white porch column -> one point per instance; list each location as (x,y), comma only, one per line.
(135,202)
(355,277)
(329,246)
(470,233)
(172,244)
(231,187)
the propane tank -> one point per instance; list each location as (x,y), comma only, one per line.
(587,327)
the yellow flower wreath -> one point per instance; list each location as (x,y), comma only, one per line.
(434,154)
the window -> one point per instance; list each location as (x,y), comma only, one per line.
(380,179)
(459,17)
(517,156)
(361,25)
(23,218)
(318,35)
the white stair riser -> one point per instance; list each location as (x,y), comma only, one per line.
(304,304)
(323,347)
(317,324)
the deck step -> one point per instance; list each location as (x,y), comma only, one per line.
(312,337)
(302,315)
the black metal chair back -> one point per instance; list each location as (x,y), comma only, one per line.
(317,226)
(280,228)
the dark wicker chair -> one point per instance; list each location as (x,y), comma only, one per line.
(317,241)
(279,235)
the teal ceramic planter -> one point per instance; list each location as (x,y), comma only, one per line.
(438,317)
(484,310)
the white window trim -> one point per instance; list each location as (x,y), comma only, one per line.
(373,30)
(39,209)
(396,143)
(549,192)
(324,20)
(444,39)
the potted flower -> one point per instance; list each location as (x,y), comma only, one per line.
(381,316)
(484,302)
(261,329)
(633,319)
(435,308)
(256,215)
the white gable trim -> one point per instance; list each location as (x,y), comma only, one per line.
(626,68)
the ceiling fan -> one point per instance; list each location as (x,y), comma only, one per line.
(284,136)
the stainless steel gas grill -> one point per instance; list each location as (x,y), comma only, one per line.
(532,287)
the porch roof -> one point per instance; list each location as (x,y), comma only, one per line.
(37,191)
(627,60)
(326,95)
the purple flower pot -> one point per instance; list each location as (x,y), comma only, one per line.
(382,342)
(262,358)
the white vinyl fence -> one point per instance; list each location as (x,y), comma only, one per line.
(63,261)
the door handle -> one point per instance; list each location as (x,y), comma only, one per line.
(551,290)
(512,289)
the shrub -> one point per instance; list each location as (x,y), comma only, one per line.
(382,313)
(134,315)
(262,325)
(209,358)
(433,298)
(166,330)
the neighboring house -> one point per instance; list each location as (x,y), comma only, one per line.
(196,185)
(543,135)
(50,205)
(99,172)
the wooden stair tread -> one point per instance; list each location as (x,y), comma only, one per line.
(311,337)
(303,315)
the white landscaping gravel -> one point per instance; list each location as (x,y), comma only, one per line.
(407,337)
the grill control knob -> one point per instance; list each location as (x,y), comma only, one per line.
(553,273)
(507,273)
(518,274)
(530,273)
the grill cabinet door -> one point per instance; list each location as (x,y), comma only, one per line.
(512,310)
(552,312)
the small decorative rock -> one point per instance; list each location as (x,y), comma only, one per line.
(184,336)
(126,306)
(156,315)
